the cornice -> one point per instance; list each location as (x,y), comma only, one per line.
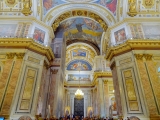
(134,20)
(100,75)
(28,19)
(130,45)
(19,43)
(93,83)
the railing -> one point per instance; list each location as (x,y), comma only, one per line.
(23,36)
(130,37)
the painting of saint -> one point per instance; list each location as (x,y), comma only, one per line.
(120,35)
(39,35)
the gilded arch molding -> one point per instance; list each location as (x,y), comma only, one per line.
(77,13)
(105,16)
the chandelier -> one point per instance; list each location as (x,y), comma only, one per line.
(79,94)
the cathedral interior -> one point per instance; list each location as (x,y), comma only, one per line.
(99,59)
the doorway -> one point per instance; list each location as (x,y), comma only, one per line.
(79,107)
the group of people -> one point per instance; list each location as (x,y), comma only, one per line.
(71,117)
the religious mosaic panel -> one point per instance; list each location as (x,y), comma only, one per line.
(79,65)
(82,77)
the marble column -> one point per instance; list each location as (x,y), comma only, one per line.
(101,97)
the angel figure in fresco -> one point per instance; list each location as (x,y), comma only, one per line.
(90,24)
(85,67)
(74,66)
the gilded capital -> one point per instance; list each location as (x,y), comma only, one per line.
(54,71)
(105,81)
(20,55)
(139,56)
(148,56)
(10,55)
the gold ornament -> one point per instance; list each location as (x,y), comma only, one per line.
(27,4)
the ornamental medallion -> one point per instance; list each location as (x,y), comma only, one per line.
(148,3)
(11,3)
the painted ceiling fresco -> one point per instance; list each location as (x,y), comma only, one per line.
(80,28)
(108,4)
(79,65)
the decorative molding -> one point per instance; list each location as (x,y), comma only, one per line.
(156,57)
(2,56)
(77,13)
(130,45)
(19,43)
(20,55)
(148,3)
(69,42)
(10,55)
(105,81)
(141,56)
(11,3)
(95,8)
(33,60)
(100,75)
(89,57)
(127,60)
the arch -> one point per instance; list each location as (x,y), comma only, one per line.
(69,42)
(98,10)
